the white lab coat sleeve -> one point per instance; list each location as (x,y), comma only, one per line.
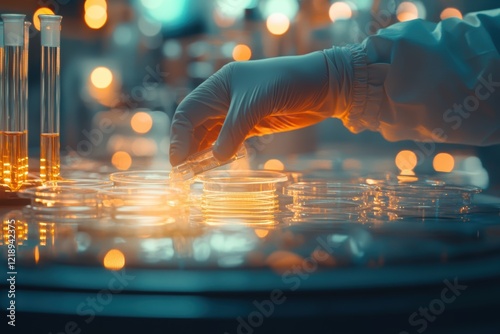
(424,81)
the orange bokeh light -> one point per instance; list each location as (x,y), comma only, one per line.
(450,12)
(406,160)
(101,77)
(121,160)
(443,162)
(99,3)
(141,122)
(242,52)
(407,11)
(278,24)
(114,260)
(340,10)
(41,11)
(274,164)
(96,16)
(37,254)
(261,233)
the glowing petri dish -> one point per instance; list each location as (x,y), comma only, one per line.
(62,203)
(201,162)
(150,179)
(141,206)
(235,181)
(144,178)
(240,197)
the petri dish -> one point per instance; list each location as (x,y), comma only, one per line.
(143,178)
(149,179)
(240,197)
(62,204)
(141,206)
(428,200)
(329,201)
(201,162)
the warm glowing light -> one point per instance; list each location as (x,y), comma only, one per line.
(121,160)
(406,160)
(114,260)
(242,52)
(407,176)
(37,254)
(96,16)
(41,11)
(261,233)
(101,77)
(340,11)
(43,234)
(274,164)
(443,162)
(278,24)
(21,232)
(450,12)
(407,11)
(141,122)
(99,3)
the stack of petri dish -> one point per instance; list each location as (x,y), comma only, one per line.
(145,198)
(143,179)
(328,201)
(428,200)
(141,206)
(64,204)
(240,197)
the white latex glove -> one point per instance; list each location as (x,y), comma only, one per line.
(255,98)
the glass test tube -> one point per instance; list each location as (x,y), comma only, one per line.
(50,161)
(2,59)
(25,106)
(15,120)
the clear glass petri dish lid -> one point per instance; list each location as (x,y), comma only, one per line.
(142,206)
(323,197)
(236,181)
(62,202)
(424,201)
(142,178)
(201,162)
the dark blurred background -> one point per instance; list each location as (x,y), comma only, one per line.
(126,64)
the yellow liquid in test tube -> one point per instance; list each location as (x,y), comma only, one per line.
(50,160)
(15,158)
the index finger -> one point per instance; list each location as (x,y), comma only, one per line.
(208,101)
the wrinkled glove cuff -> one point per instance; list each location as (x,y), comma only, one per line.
(348,73)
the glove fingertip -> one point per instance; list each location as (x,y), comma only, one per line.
(225,151)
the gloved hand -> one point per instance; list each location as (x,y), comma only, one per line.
(255,98)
